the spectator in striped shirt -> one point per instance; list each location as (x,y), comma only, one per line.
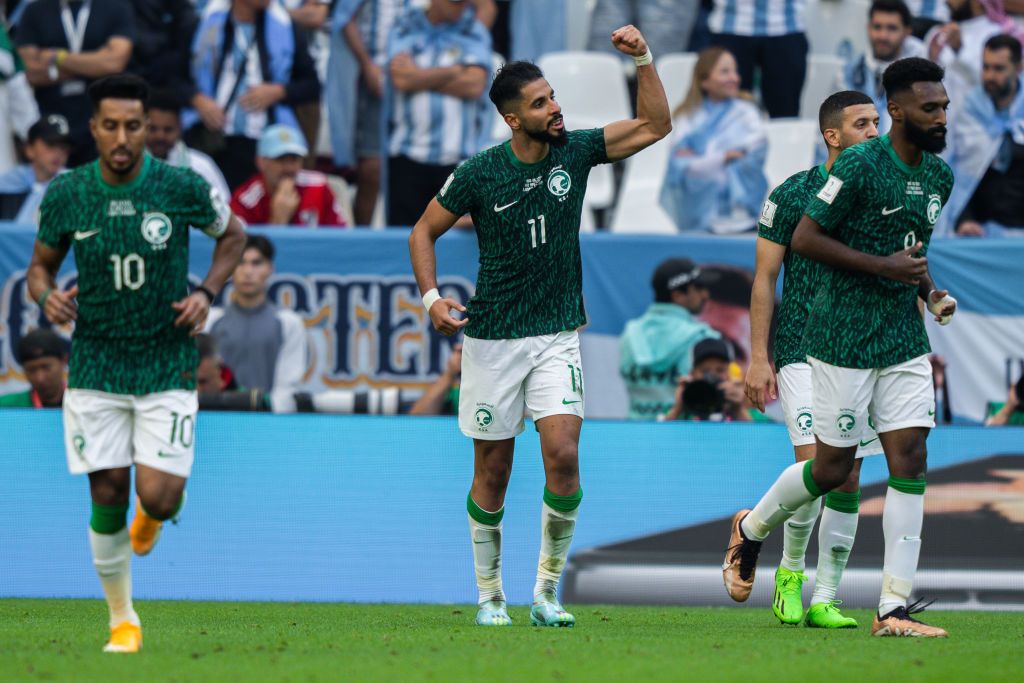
(768,35)
(927,14)
(440,64)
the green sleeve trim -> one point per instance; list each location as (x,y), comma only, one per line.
(563,503)
(913,486)
(812,487)
(108,519)
(483,516)
(841,501)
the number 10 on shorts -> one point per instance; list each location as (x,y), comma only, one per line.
(576,378)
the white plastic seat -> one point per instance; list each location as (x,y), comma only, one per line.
(823,72)
(639,210)
(830,23)
(676,72)
(790,148)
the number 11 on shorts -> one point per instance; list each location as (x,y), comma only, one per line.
(576,378)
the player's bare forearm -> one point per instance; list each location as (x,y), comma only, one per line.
(653,119)
(226,255)
(418,80)
(810,240)
(767,264)
(42,269)
(435,221)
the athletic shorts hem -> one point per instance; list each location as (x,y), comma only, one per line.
(551,413)
(905,424)
(803,441)
(491,436)
(837,443)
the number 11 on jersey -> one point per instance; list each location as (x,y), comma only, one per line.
(533,230)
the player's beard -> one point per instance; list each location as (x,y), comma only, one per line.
(926,138)
(545,135)
(998,92)
(126,167)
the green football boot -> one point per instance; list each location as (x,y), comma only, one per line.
(547,611)
(493,613)
(827,615)
(788,604)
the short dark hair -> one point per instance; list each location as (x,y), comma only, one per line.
(40,343)
(902,74)
(891,7)
(260,244)
(509,81)
(164,99)
(119,87)
(830,113)
(1005,41)
(207,345)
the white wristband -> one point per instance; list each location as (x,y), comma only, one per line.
(430,297)
(644,59)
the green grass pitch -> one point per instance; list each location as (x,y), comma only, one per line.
(60,640)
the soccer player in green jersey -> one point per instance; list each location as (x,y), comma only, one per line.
(865,337)
(131,395)
(845,119)
(521,351)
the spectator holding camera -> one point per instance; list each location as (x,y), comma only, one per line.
(656,348)
(713,391)
(1011,413)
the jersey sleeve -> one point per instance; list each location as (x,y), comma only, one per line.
(56,220)
(591,141)
(458,194)
(780,214)
(208,210)
(838,196)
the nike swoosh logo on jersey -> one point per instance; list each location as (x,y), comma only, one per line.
(167,455)
(888,212)
(85,234)
(499,209)
(568,403)
(931,413)
(869,441)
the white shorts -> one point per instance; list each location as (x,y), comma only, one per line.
(796,395)
(846,399)
(505,379)
(105,431)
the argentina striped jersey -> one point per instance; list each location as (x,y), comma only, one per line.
(758,17)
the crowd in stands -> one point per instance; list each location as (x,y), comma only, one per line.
(391,94)
(282,104)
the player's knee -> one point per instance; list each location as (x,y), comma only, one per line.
(108,488)
(495,476)
(563,461)
(913,459)
(831,474)
(160,505)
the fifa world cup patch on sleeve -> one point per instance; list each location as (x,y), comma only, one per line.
(447,184)
(831,189)
(768,213)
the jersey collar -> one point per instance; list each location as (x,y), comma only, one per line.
(902,165)
(126,187)
(522,164)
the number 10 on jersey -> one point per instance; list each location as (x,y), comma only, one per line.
(533,230)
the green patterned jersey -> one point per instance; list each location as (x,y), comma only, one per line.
(131,248)
(801,277)
(527,219)
(875,203)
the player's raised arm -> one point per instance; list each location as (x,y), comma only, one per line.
(760,380)
(59,307)
(653,119)
(434,222)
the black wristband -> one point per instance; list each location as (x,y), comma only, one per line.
(209,295)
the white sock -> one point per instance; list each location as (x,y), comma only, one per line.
(797,534)
(781,502)
(487,559)
(557,528)
(112,556)
(835,541)
(902,519)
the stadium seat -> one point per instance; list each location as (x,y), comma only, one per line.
(638,210)
(823,71)
(343,195)
(591,88)
(790,148)
(676,71)
(830,23)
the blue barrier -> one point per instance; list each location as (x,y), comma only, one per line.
(371,509)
